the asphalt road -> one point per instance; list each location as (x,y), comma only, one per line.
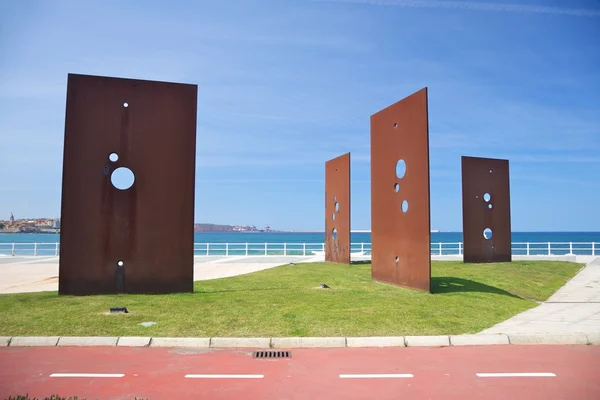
(469,372)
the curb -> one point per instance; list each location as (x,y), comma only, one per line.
(592,338)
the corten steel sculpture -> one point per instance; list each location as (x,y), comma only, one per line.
(127,238)
(486,210)
(400,217)
(337,209)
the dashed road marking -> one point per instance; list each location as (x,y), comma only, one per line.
(78,375)
(224,376)
(343,376)
(515,374)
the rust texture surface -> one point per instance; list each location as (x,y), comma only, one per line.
(486,210)
(140,239)
(400,216)
(337,209)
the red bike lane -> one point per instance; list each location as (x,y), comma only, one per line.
(551,372)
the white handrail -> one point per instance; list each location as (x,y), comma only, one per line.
(311,249)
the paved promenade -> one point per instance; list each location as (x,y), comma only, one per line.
(573,308)
(36,274)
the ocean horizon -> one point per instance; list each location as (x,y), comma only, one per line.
(318,236)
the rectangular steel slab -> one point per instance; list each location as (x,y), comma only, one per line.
(337,209)
(138,240)
(486,205)
(401,236)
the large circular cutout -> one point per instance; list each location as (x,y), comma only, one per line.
(487,197)
(337,206)
(400,169)
(404,206)
(487,233)
(334,234)
(122,178)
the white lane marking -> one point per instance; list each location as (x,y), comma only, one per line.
(87,375)
(515,374)
(376,376)
(243,376)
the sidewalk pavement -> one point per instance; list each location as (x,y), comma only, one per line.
(38,274)
(573,308)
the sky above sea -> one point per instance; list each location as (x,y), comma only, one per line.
(284,86)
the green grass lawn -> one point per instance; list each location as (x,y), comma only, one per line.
(286,301)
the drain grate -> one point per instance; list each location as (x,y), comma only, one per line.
(272,354)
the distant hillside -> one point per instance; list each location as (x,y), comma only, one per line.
(224,228)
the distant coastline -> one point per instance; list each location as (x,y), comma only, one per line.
(17,231)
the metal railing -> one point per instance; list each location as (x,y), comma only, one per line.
(314,249)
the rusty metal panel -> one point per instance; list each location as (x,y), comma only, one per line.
(140,239)
(400,237)
(337,209)
(486,210)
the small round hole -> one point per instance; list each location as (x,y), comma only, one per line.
(487,233)
(337,206)
(491,171)
(404,206)
(122,178)
(334,234)
(114,157)
(334,198)
(400,169)
(120,263)
(490,206)
(395,124)
(396,188)
(487,197)
(333,216)
(125,105)
(397,258)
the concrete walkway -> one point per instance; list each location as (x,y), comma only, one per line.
(22,274)
(38,274)
(573,308)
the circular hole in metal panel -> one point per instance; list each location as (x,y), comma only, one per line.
(113,157)
(487,233)
(122,178)
(404,206)
(400,169)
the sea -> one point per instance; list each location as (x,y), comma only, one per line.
(234,243)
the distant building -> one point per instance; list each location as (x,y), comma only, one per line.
(11,220)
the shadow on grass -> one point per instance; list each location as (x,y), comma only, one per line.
(360,262)
(450,284)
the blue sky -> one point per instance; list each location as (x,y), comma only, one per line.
(286,85)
